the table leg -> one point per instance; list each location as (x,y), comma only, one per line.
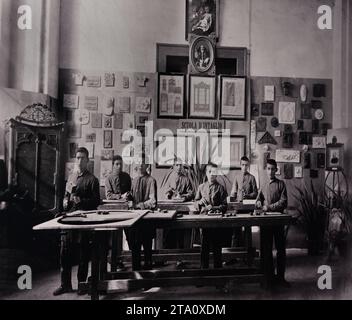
(249,245)
(114,249)
(95,267)
(264,254)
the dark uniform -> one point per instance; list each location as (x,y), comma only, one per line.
(244,187)
(212,194)
(180,185)
(86,186)
(274,195)
(144,196)
(117,185)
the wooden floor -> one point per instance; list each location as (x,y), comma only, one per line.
(301,273)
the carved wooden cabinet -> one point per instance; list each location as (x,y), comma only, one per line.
(35,142)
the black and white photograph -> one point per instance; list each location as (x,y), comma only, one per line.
(114,183)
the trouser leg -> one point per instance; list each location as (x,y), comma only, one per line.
(66,258)
(84,256)
(280,244)
(147,242)
(267,247)
(217,250)
(104,254)
(134,243)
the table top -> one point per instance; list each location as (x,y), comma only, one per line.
(176,205)
(56,225)
(169,220)
(244,220)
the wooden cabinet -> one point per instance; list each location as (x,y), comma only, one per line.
(34,161)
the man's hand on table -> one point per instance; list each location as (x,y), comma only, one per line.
(76,200)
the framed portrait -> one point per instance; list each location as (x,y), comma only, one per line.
(202,97)
(202,55)
(202,18)
(298,172)
(334,157)
(171,95)
(233,98)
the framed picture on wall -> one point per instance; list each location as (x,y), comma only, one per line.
(171,95)
(227,151)
(237,151)
(334,157)
(233,98)
(202,97)
(202,18)
(202,56)
(164,153)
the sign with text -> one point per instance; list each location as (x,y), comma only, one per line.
(202,124)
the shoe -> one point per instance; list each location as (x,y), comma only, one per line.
(121,266)
(230,263)
(62,290)
(148,266)
(82,292)
(180,264)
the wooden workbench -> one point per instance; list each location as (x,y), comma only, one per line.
(115,282)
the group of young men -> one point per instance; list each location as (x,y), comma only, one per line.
(83,193)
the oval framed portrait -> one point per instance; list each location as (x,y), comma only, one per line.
(202,54)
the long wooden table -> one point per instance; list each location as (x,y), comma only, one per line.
(118,281)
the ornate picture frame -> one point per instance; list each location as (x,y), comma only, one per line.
(202,56)
(233,100)
(171,96)
(202,97)
(202,18)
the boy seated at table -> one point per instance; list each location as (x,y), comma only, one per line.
(143,196)
(273,198)
(211,196)
(118,184)
(179,186)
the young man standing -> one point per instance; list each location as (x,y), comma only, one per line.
(211,196)
(118,184)
(244,186)
(82,193)
(273,198)
(143,196)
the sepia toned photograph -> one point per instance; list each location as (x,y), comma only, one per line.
(175,157)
